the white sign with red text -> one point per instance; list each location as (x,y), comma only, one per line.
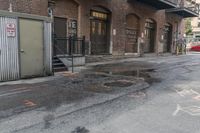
(11,30)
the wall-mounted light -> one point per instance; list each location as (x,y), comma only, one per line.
(51,6)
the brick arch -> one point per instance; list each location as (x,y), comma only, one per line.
(132,21)
(101,8)
(151,20)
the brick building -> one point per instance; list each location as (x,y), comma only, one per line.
(114,26)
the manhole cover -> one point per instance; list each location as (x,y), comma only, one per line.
(118,84)
(137,95)
(95,75)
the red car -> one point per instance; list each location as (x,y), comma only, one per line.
(195,48)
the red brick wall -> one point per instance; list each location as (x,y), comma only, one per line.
(4,5)
(66,9)
(38,7)
(80,10)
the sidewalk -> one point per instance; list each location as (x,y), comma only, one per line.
(107,58)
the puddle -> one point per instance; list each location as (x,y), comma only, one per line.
(80,130)
(95,75)
(139,73)
(118,84)
(138,94)
(135,73)
(98,88)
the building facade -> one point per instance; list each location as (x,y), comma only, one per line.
(114,26)
(195,23)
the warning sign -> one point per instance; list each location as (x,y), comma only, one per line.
(11,30)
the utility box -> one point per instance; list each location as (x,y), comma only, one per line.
(25,46)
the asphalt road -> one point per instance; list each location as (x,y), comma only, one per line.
(171,104)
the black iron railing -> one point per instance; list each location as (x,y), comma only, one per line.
(189,4)
(172,1)
(67,46)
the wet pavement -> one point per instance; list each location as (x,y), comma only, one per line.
(143,95)
(69,88)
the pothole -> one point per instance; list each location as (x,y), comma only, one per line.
(95,75)
(119,83)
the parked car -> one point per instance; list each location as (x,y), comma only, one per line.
(195,48)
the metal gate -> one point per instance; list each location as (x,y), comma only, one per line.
(70,46)
(9,60)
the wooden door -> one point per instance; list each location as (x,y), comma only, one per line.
(132,29)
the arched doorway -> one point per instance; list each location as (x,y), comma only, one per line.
(132,30)
(150,34)
(99,30)
(167,39)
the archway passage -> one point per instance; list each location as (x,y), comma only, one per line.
(132,30)
(150,34)
(167,40)
(99,31)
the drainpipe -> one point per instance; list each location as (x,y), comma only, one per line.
(10,9)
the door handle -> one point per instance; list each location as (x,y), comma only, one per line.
(22,51)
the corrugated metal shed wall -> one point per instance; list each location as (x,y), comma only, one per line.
(9,58)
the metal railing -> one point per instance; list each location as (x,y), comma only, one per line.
(172,1)
(67,46)
(192,5)
(180,46)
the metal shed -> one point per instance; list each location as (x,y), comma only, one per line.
(25,46)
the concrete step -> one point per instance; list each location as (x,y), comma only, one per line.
(60,69)
(58,64)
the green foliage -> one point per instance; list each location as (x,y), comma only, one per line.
(188,26)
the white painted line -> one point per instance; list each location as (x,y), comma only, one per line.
(11,90)
(191,110)
(178,108)
(13,93)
